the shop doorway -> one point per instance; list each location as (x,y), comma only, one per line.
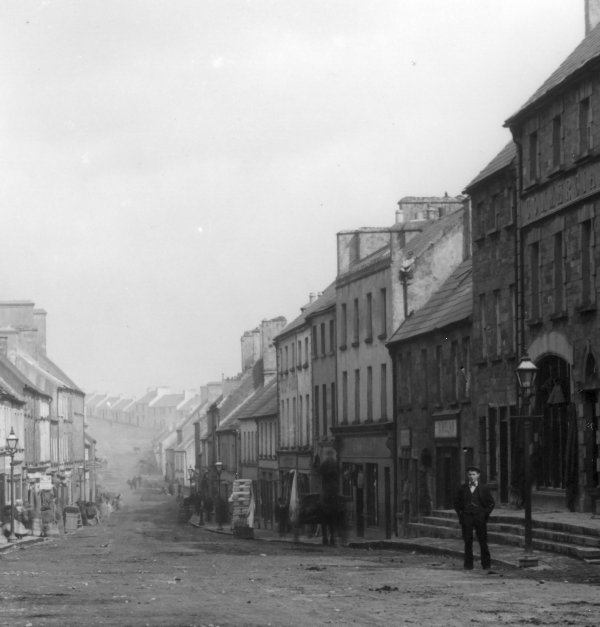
(555,444)
(591,440)
(447,475)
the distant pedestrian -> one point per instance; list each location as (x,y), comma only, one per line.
(331,512)
(474,504)
(281,516)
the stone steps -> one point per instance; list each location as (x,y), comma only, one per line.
(573,540)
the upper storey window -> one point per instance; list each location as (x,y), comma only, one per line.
(356,323)
(344,326)
(481,218)
(585,125)
(533,157)
(495,210)
(557,141)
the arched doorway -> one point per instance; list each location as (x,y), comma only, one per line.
(554,462)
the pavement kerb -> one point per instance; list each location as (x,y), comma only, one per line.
(404,545)
(412,545)
(22,543)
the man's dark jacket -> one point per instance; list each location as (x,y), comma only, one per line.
(479,501)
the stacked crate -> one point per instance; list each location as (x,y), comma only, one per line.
(240,499)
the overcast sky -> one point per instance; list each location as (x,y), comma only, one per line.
(172,172)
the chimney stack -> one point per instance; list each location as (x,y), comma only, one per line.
(39,319)
(592,15)
(400,213)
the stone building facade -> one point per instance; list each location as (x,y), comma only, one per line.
(535,208)
(494,337)
(322,323)
(558,181)
(383,274)
(436,433)
(295,400)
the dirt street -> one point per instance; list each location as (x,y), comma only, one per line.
(143,568)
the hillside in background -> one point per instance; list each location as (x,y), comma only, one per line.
(127,450)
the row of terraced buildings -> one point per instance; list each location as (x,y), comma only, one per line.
(404,365)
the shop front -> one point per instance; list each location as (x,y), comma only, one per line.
(366,467)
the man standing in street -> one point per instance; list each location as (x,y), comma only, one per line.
(474,504)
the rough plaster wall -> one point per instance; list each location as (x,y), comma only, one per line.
(592,14)
(354,246)
(430,270)
(39,318)
(16,314)
(345,243)
(28,341)
(370,242)
(269,329)
(214,390)
(250,345)
(434,267)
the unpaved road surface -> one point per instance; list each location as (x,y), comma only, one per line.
(143,568)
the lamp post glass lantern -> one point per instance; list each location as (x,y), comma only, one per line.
(526,373)
(11,446)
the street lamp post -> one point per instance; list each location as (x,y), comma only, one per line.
(11,446)
(526,373)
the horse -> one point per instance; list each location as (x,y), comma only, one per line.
(326,512)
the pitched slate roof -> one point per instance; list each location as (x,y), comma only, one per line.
(432,233)
(109,402)
(167,400)
(47,364)
(503,159)
(326,300)
(318,304)
(147,397)
(42,371)
(452,303)
(6,390)
(260,403)
(379,255)
(190,404)
(94,398)
(121,404)
(16,379)
(588,50)
(200,408)
(232,401)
